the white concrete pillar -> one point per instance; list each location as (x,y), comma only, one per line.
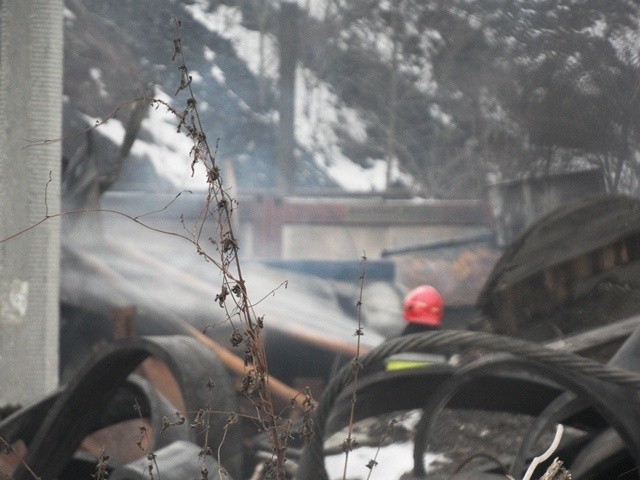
(31,53)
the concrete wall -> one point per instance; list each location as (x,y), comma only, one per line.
(292,228)
(342,229)
(517,204)
(348,242)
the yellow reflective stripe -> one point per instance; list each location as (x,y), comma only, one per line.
(394,365)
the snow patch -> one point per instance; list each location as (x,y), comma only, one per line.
(227,22)
(168,151)
(597,30)
(96,76)
(319,112)
(351,176)
(392,461)
(218,74)
(317,9)
(216,71)
(625,43)
(437,114)
(195,76)
(68,15)
(209,54)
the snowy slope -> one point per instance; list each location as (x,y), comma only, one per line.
(223,56)
(319,111)
(470,76)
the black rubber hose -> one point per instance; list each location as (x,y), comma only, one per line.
(87,396)
(312,462)
(614,403)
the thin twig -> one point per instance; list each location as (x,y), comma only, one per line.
(114,212)
(349,444)
(98,123)
(374,461)
(153,212)
(46,203)
(556,472)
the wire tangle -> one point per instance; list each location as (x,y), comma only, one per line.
(312,463)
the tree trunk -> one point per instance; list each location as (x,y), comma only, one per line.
(393,99)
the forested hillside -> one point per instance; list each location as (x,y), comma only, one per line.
(430,95)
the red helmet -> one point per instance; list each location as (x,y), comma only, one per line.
(423,305)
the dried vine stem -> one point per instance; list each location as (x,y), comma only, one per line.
(350,443)
(556,472)
(220,207)
(372,463)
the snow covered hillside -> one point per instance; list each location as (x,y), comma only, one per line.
(444,92)
(224,57)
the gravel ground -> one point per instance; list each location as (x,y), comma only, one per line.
(463,434)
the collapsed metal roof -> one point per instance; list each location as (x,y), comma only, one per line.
(567,232)
(552,248)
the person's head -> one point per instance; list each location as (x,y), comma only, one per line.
(423,306)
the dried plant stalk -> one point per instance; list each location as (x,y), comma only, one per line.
(556,472)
